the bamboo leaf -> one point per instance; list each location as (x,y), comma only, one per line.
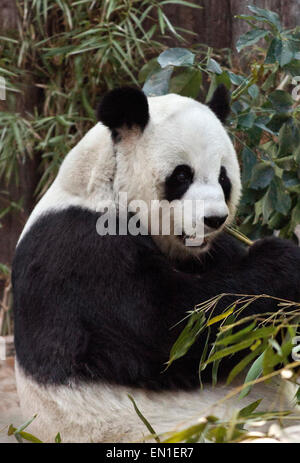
(221,317)
(254,373)
(144,420)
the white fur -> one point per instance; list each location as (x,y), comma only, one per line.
(85,178)
(104,413)
(180,131)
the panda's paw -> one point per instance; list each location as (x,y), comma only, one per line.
(277,254)
(274,247)
(276,265)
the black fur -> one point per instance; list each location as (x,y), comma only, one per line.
(124,106)
(220,103)
(178,182)
(102,308)
(225,183)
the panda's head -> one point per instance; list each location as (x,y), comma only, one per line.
(174,148)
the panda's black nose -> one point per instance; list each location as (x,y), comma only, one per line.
(215,222)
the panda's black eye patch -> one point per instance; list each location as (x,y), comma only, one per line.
(178,182)
(225,183)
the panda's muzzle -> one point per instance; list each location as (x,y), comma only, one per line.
(215,222)
(193,241)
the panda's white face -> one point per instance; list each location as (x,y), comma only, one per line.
(184,153)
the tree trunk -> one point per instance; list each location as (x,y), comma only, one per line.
(13,223)
(215,24)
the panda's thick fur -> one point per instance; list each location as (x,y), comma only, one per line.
(93,314)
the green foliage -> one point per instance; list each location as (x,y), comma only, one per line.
(267,343)
(265,120)
(212,429)
(21,435)
(144,420)
(233,336)
(63,56)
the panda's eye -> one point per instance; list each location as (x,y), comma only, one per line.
(225,183)
(182,174)
(178,182)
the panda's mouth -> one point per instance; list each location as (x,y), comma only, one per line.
(194,241)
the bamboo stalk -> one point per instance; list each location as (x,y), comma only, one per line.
(238,235)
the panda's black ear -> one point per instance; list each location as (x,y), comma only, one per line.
(220,103)
(124,106)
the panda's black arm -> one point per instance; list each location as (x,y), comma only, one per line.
(271,266)
(157,297)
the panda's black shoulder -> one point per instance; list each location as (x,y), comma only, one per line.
(69,239)
(64,274)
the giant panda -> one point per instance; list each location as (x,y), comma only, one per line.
(96,315)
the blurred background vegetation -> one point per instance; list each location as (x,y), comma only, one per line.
(59,57)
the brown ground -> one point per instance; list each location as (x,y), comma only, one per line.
(10,412)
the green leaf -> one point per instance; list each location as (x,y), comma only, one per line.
(187,83)
(29,437)
(58,438)
(187,337)
(262,176)
(277,121)
(297,155)
(289,138)
(293,68)
(237,337)
(248,161)
(281,101)
(143,419)
(290,179)
(249,335)
(274,51)
(270,16)
(20,434)
(250,38)
(181,2)
(148,69)
(240,367)
(218,318)
(270,81)
(158,83)
(245,412)
(277,198)
(261,123)
(229,351)
(267,369)
(4,270)
(186,434)
(287,53)
(214,67)
(236,79)
(254,373)
(281,51)
(253,91)
(295,217)
(176,57)
(246,121)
